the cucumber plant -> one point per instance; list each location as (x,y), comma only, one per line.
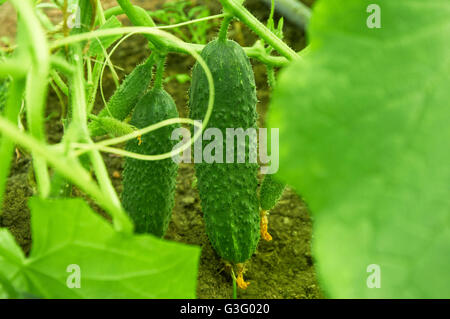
(126,96)
(362,115)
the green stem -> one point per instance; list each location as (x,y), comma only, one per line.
(114,11)
(140,17)
(137,15)
(233,276)
(272,10)
(11,112)
(95,83)
(100,12)
(101,17)
(45,21)
(14,67)
(89,71)
(36,91)
(190,22)
(224,28)
(58,93)
(62,65)
(238,10)
(120,219)
(169,42)
(159,77)
(59,82)
(261,55)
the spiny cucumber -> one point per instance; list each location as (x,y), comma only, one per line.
(149,186)
(126,96)
(113,126)
(271,191)
(228,191)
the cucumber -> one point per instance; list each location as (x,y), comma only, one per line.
(271,191)
(126,96)
(112,125)
(228,191)
(149,186)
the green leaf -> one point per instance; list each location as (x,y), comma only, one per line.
(98,45)
(112,265)
(11,259)
(364,134)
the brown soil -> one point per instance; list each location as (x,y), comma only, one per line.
(282,268)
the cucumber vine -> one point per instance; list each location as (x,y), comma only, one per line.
(75,70)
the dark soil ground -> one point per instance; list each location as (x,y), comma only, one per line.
(281,268)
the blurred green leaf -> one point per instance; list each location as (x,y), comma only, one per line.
(198,12)
(364,134)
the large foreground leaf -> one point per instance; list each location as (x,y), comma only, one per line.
(364,137)
(111,264)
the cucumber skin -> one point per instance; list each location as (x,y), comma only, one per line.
(125,97)
(271,191)
(228,192)
(149,186)
(114,126)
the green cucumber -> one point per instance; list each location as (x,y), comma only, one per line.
(113,126)
(271,191)
(149,186)
(228,191)
(126,96)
